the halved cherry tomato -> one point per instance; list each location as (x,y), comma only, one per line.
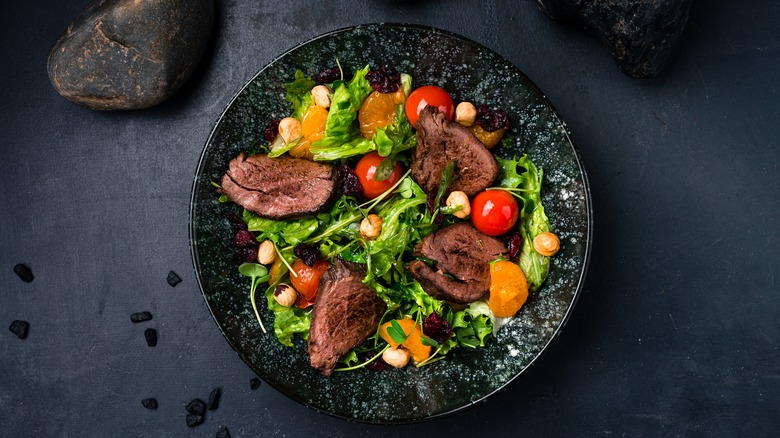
(365,170)
(308,281)
(428,95)
(494,212)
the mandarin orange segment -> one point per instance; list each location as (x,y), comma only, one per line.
(508,288)
(378,111)
(413,342)
(312,129)
(488,138)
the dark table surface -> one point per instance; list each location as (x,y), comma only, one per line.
(677,329)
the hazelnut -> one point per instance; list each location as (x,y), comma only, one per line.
(321,95)
(290,129)
(458,198)
(285,295)
(371,226)
(266,253)
(465,113)
(547,244)
(396,357)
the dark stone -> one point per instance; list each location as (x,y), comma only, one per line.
(223,432)
(196,407)
(151,337)
(20,328)
(125,54)
(194,420)
(173,279)
(640,33)
(24,272)
(141,317)
(214,397)
(149,403)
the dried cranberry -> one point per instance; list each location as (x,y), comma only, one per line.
(244,239)
(236,221)
(514,242)
(307,253)
(271,131)
(377,365)
(384,82)
(330,75)
(492,120)
(249,255)
(349,183)
(436,328)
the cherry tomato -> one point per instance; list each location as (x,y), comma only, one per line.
(308,281)
(428,95)
(494,212)
(365,170)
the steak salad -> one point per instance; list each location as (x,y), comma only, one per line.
(380,225)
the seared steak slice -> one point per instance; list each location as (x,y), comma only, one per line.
(346,312)
(279,188)
(440,141)
(462,252)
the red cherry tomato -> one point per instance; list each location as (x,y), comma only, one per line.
(308,281)
(494,212)
(365,170)
(428,95)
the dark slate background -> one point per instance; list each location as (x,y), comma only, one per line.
(677,330)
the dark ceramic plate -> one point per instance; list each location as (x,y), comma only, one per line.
(470,72)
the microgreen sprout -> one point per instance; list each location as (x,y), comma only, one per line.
(259,274)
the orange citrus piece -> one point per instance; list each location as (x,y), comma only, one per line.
(378,111)
(488,138)
(312,129)
(508,288)
(413,342)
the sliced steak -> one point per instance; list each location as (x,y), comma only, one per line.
(462,252)
(440,141)
(346,312)
(279,188)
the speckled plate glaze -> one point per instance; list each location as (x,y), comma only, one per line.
(470,72)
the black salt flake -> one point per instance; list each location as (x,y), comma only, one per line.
(149,403)
(196,407)
(214,397)
(173,279)
(254,383)
(151,337)
(20,328)
(24,272)
(223,432)
(194,420)
(140,317)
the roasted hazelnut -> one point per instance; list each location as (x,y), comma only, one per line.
(321,95)
(371,226)
(547,244)
(285,295)
(290,129)
(458,198)
(266,253)
(396,357)
(465,113)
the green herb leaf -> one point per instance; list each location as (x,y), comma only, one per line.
(385,169)
(396,332)
(429,342)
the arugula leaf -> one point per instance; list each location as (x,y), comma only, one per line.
(299,93)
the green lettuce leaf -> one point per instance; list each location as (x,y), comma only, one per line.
(299,93)
(344,106)
(527,185)
(396,137)
(288,320)
(283,233)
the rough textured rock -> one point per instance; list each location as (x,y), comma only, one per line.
(640,33)
(130,54)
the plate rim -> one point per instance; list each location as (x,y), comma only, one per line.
(192,233)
